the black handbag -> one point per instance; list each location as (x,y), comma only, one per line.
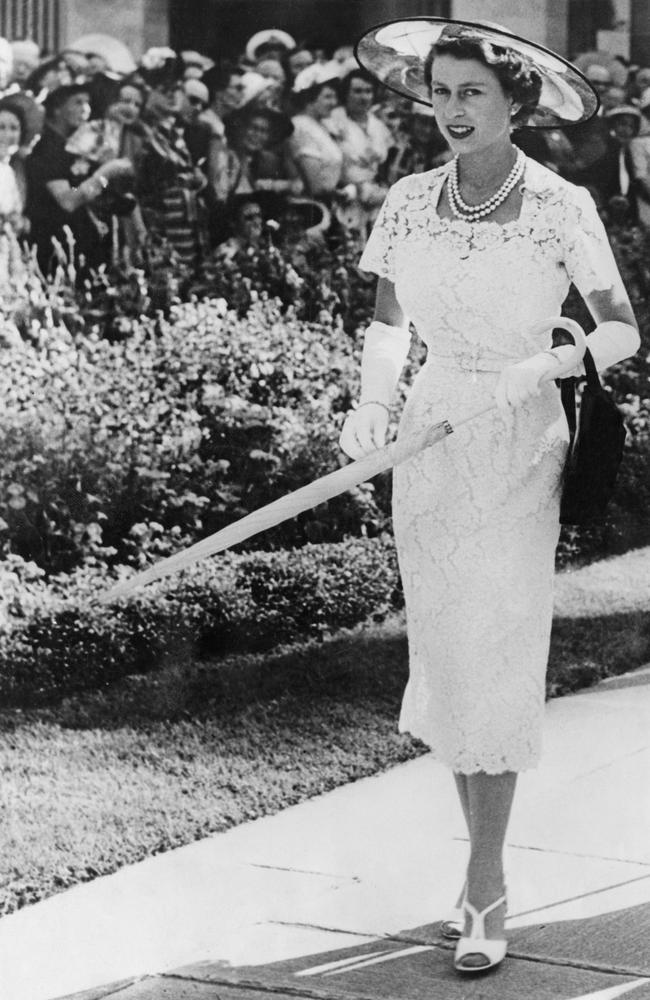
(596,446)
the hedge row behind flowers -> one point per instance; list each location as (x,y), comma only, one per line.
(56,639)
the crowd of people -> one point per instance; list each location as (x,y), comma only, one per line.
(289,143)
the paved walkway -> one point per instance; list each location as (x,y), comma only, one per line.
(341,897)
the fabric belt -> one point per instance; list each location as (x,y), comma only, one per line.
(471,364)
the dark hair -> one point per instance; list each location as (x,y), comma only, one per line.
(355,74)
(305,97)
(516,74)
(6,104)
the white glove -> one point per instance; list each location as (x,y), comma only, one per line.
(384,352)
(364,430)
(520,382)
(611,342)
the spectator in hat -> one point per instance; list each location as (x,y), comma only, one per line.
(169,184)
(254,157)
(195,64)
(270,43)
(301,237)
(63,189)
(620,172)
(246,223)
(364,141)
(26,57)
(316,155)
(50,74)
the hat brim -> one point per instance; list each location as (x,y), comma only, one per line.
(269,36)
(395,52)
(312,213)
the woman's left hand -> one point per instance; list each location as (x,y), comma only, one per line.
(520,382)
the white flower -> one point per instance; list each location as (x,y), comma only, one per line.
(156,57)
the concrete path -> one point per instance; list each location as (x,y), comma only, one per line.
(342,896)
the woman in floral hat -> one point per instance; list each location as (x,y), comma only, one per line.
(317,156)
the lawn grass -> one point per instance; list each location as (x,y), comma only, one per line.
(109,778)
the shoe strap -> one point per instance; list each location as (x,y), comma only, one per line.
(478,916)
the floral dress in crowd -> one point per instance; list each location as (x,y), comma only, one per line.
(476,516)
(169,194)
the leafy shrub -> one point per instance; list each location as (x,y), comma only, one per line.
(57,639)
(129,450)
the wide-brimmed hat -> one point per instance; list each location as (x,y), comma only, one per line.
(272,37)
(625,111)
(395,53)
(313,215)
(192,58)
(269,202)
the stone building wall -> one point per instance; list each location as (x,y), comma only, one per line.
(137,23)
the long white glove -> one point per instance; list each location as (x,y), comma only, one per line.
(609,343)
(385,349)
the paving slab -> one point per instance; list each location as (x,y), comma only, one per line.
(404,971)
(380,859)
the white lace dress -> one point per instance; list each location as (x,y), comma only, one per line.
(476,516)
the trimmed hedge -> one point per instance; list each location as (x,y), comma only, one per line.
(237,603)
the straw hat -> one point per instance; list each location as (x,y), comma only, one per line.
(395,53)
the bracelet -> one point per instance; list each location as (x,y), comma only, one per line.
(376,403)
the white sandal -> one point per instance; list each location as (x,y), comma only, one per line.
(493,950)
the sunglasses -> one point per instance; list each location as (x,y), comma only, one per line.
(197,102)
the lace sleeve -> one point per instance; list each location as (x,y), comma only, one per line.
(587,255)
(379,254)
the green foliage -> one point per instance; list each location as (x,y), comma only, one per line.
(57,639)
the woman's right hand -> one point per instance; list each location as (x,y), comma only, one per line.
(364,430)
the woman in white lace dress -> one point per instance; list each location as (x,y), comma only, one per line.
(475,253)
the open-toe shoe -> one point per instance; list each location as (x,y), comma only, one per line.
(488,952)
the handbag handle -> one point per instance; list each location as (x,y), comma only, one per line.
(568,392)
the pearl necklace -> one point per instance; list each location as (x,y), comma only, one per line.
(472,213)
